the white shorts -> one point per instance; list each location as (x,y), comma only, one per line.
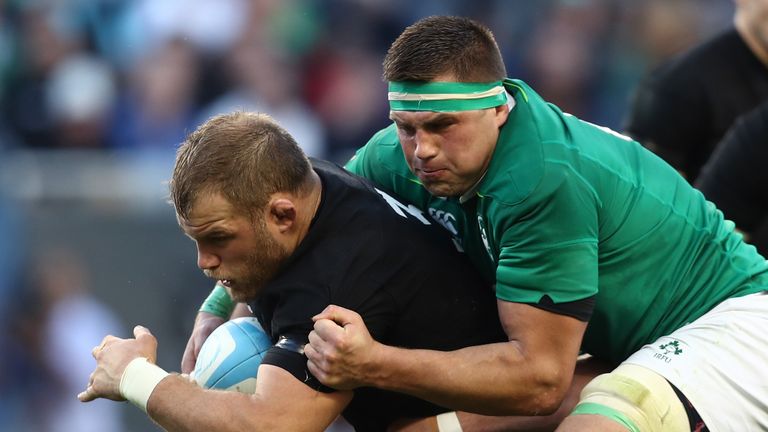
(720,363)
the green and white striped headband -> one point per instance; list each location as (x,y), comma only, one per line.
(445,96)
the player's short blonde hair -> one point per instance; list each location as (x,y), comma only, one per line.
(245,156)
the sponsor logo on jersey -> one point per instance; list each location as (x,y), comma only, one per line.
(448,221)
(445,219)
(484,237)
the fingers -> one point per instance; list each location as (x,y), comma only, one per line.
(326,343)
(312,352)
(327,313)
(108,340)
(328,330)
(316,371)
(312,349)
(112,355)
(97,349)
(87,395)
(205,324)
(189,358)
(328,337)
(316,361)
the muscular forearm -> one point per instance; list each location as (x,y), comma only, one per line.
(586,370)
(177,404)
(528,375)
(493,379)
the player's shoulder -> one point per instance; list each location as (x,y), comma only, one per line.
(361,203)
(697,66)
(386,136)
(382,162)
(381,152)
(532,140)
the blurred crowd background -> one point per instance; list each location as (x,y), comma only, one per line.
(96,94)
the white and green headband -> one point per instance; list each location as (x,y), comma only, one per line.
(445,96)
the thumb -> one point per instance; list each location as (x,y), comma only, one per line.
(141,332)
(327,313)
(147,341)
(339,315)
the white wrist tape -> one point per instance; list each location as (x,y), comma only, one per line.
(448,422)
(139,381)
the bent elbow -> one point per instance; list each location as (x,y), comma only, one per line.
(546,404)
(532,403)
(543,397)
(548,394)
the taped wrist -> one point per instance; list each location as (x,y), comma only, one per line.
(448,422)
(139,381)
(218,303)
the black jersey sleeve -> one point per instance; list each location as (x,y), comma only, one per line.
(288,354)
(579,309)
(735,176)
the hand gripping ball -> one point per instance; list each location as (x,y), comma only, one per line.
(230,357)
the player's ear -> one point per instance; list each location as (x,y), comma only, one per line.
(282,214)
(501,112)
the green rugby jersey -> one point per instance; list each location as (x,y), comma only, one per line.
(569,210)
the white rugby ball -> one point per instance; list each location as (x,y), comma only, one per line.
(230,357)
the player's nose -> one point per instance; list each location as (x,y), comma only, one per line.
(207,261)
(426,147)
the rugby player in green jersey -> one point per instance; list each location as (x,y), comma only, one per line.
(594,244)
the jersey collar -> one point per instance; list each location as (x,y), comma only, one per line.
(466,196)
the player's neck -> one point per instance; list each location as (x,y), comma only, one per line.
(311,202)
(758,48)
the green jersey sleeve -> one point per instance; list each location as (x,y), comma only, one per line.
(548,244)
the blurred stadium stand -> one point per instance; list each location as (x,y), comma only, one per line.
(96,94)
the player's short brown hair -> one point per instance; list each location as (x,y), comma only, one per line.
(246,157)
(438,45)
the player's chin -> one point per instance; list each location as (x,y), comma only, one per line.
(244,294)
(441,189)
(241,297)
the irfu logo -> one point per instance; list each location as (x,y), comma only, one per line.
(671,348)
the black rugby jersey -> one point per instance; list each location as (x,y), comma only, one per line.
(397,268)
(683,109)
(735,176)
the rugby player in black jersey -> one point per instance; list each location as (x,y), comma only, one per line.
(290,236)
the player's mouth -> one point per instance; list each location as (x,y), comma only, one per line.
(227,282)
(430,173)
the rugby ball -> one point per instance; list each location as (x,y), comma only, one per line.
(230,357)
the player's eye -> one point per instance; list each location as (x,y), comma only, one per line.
(406,129)
(439,126)
(218,239)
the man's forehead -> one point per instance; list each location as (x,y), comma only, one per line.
(206,209)
(421,116)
